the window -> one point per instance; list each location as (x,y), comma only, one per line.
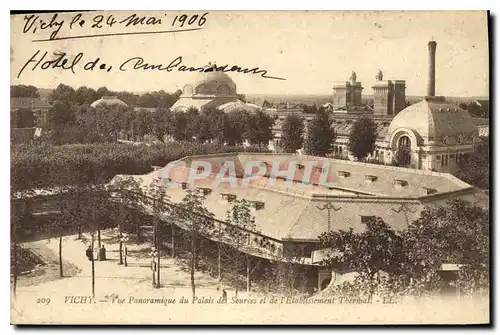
(367,218)
(400,182)
(257,204)
(370,178)
(205,190)
(344,174)
(184,185)
(404,142)
(438,157)
(228,196)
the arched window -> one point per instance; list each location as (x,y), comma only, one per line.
(404,142)
(404,151)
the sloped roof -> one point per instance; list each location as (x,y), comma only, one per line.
(29,103)
(297,213)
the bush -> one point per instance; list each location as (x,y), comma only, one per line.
(48,166)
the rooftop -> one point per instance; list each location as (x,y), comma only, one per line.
(294,212)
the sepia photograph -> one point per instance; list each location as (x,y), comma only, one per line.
(250,168)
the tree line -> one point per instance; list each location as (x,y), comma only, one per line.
(47,166)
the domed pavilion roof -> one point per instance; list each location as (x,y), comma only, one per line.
(212,83)
(434,119)
(108,101)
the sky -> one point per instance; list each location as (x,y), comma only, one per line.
(311,50)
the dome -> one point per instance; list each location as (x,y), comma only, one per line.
(108,101)
(212,83)
(434,119)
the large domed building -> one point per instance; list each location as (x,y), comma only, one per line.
(211,90)
(432,134)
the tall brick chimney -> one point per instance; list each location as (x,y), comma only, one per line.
(431,84)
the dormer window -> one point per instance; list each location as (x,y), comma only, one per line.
(428,190)
(257,205)
(400,183)
(229,197)
(370,178)
(344,174)
(205,190)
(184,185)
(318,169)
(200,169)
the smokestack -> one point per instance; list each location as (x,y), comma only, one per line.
(431,84)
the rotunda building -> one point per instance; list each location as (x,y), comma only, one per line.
(432,134)
(211,90)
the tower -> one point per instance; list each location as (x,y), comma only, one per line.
(347,94)
(431,84)
(389,96)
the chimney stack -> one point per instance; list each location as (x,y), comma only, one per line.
(431,84)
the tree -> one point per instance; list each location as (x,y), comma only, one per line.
(163,120)
(126,191)
(240,222)
(24,91)
(362,137)
(22,118)
(63,93)
(234,127)
(215,119)
(157,201)
(401,157)
(320,134)
(197,221)
(292,133)
(21,212)
(375,250)
(103,91)
(85,95)
(457,233)
(259,128)
(474,169)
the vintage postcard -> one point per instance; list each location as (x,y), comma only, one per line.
(250,167)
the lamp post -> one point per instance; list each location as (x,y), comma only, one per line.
(153,254)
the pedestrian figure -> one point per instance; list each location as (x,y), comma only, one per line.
(88,252)
(102,253)
(224,295)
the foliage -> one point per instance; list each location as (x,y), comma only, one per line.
(24,91)
(457,233)
(199,223)
(409,262)
(258,128)
(240,221)
(400,158)
(22,118)
(47,166)
(475,168)
(292,133)
(377,248)
(320,134)
(362,137)
(234,127)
